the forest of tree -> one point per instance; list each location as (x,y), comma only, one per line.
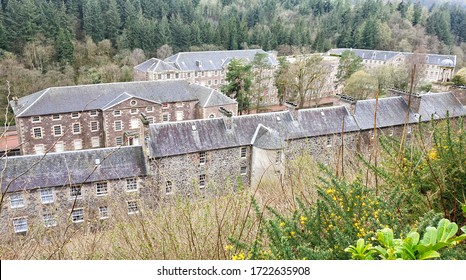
(62,42)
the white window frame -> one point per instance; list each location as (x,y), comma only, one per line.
(20,225)
(115,127)
(77,215)
(55,127)
(202,181)
(16,200)
(46,196)
(75,192)
(75,115)
(132,207)
(131,184)
(150,119)
(39,149)
(95,142)
(202,158)
(117,113)
(150,109)
(165,117)
(78,144)
(329,140)
(165,105)
(119,141)
(179,115)
(278,157)
(168,187)
(101,188)
(78,130)
(93,113)
(179,104)
(244,152)
(56,117)
(243,170)
(35,119)
(49,220)
(59,147)
(103,212)
(133,111)
(94,126)
(133,103)
(40,134)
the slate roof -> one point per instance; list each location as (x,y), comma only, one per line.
(154,65)
(102,96)
(76,167)
(214,60)
(391,111)
(434,59)
(438,104)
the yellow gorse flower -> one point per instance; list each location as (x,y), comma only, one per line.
(433,155)
(228,247)
(302,220)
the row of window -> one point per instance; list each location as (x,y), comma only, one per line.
(60,145)
(46,195)
(55,117)
(57,130)
(203,155)
(20,225)
(208,73)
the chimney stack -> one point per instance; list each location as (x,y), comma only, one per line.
(349,102)
(415,102)
(226,117)
(293,109)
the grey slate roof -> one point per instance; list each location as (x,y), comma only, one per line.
(61,169)
(267,139)
(214,60)
(154,65)
(438,104)
(101,96)
(434,59)
(391,111)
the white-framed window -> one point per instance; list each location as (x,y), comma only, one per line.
(59,147)
(78,144)
(133,111)
(93,113)
(56,117)
(46,195)
(16,200)
(131,184)
(196,74)
(203,73)
(215,82)
(134,123)
(329,140)
(179,104)
(243,152)
(95,142)
(119,141)
(168,187)
(132,207)
(37,131)
(49,220)
(133,102)
(211,116)
(118,126)
(75,115)
(177,75)
(165,117)
(39,149)
(94,126)
(117,113)
(159,76)
(165,105)
(168,76)
(202,157)
(20,225)
(150,109)
(189,74)
(35,119)
(202,181)
(243,170)
(103,212)
(409,129)
(75,192)
(77,215)
(216,72)
(179,115)
(76,128)
(101,188)
(209,82)
(150,119)
(278,157)
(57,131)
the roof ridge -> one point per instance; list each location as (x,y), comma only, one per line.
(118,96)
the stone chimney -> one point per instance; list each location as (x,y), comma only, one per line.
(349,102)
(144,134)
(415,101)
(15,100)
(293,109)
(226,117)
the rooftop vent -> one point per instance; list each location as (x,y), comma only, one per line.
(97,161)
(193,127)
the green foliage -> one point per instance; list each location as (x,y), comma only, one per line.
(239,78)
(349,64)
(411,247)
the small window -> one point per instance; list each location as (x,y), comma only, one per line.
(78,144)
(202,73)
(117,113)
(56,117)
(133,103)
(131,184)
(211,116)
(20,225)
(103,212)
(101,188)
(132,207)
(202,158)
(179,115)
(165,106)
(177,76)
(209,82)
(16,200)
(76,128)
(57,131)
(179,104)
(94,126)
(329,140)
(134,123)
(119,141)
(202,181)
(74,115)
(39,149)
(168,187)
(150,119)
(37,132)
(216,73)
(278,157)
(196,74)
(77,216)
(93,113)
(59,147)
(134,111)
(75,191)
(46,196)
(150,109)
(165,118)
(36,119)
(189,75)
(49,220)
(215,82)
(159,76)
(95,142)
(118,126)
(168,76)
(243,152)
(409,130)
(243,170)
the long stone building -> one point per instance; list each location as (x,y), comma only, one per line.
(107,115)
(197,157)
(209,68)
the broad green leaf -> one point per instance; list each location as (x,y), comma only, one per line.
(360,245)
(429,255)
(464,209)
(430,237)
(440,245)
(385,237)
(460,238)
(412,238)
(446,230)
(463,229)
